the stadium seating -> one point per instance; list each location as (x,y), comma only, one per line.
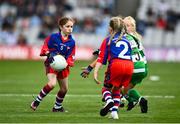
(154,36)
(95,10)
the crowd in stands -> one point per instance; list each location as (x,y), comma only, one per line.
(159,19)
(27,22)
(160,14)
(24,21)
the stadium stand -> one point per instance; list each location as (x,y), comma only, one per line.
(27,23)
(36,19)
(162,22)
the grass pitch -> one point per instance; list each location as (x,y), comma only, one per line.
(19,80)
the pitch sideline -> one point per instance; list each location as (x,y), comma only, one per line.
(79,95)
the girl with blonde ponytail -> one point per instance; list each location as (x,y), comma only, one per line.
(116,50)
(140,66)
(127,28)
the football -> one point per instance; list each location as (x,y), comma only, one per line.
(59,63)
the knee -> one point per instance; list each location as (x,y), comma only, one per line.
(52,83)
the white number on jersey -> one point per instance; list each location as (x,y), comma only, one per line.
(124,51)
(137,57)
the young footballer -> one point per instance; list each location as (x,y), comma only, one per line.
(117,51)
(140,66)
(57,43)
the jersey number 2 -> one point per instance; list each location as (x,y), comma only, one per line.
(122,54)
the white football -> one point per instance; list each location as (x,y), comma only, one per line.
(59,63)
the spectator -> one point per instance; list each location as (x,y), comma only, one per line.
(7,35)
(150,17)
(161,22)
(172,20)
(22,40)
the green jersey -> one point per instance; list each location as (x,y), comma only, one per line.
(138,58)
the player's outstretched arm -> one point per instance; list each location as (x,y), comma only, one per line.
(96,69)
(86,70)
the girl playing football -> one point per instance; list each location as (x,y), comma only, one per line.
(57,43)
(140,65)
(116,50)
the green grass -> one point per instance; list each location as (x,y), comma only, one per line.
(19,80)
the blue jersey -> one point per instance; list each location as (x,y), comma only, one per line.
(120,49)
(57,45)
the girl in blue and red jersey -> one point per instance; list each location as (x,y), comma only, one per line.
(57,43)
(117,51)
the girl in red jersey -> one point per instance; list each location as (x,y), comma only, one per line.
(117,51)
(57,43)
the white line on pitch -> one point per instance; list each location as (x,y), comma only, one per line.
(79,95)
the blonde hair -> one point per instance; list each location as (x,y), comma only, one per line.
(133,24)
(117,25)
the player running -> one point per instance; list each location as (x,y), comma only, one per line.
(57,43)
(140,66)
(117,51)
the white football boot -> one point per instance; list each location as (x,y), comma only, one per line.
(114,115)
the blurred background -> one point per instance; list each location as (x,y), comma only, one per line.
(25,23)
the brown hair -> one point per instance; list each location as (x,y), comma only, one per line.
(63,20)
(117,25)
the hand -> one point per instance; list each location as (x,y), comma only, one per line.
(86,71)
(50,57)
(96,52)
